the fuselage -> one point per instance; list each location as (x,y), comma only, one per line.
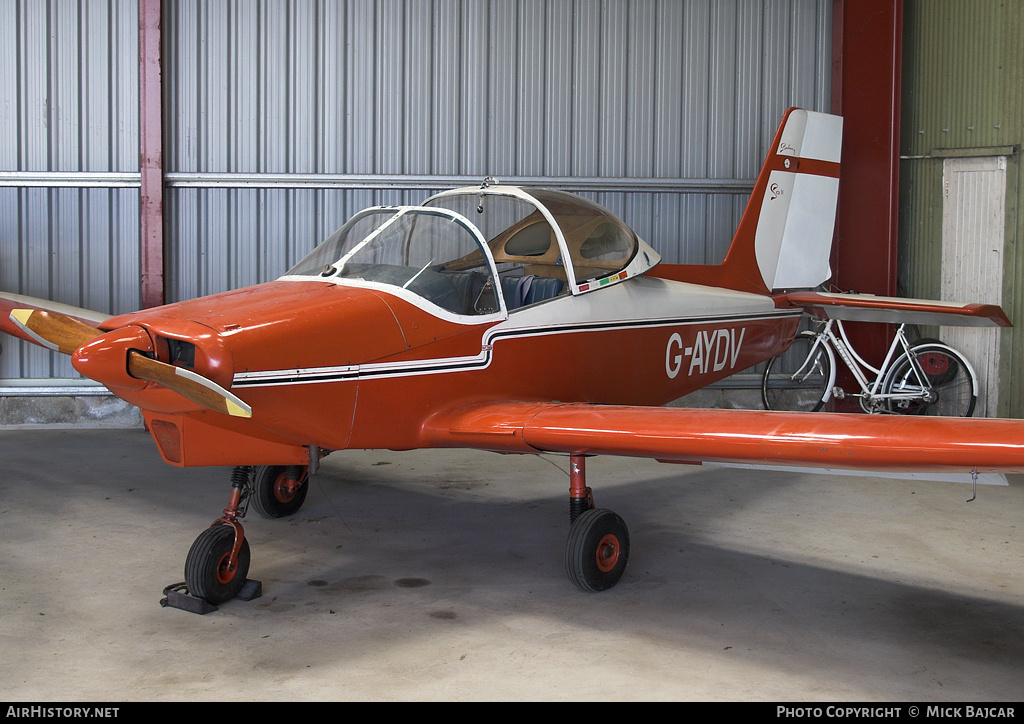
(480,294)
(405,313)
(341,364)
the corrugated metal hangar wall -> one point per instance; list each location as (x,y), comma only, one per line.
(960,177)
(284,117)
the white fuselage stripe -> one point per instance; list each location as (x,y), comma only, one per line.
(481,360)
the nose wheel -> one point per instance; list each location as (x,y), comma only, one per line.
(214,570)
(218,561)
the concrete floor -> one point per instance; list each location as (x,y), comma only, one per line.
(438,576)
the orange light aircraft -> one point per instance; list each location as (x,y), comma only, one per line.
(516,320)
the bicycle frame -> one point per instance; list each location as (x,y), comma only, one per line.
(869,389)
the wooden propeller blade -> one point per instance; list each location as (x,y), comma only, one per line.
(188,384)
(54,330)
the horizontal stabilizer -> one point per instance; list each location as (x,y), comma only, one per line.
(897,310)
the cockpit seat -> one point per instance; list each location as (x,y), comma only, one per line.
(529,289)
(519,291)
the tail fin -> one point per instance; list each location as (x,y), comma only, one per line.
(786,230)
(784,239)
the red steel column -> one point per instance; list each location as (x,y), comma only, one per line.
(151,155)
(867,46)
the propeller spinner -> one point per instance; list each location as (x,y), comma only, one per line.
(113,359)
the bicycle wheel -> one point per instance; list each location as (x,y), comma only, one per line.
(939,381)
(797,380)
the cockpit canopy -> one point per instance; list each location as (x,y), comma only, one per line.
(483,251)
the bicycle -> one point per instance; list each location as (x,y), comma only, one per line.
(923,378)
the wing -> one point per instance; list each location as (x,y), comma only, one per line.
(826,440)
(869,308)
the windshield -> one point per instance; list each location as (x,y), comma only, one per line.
(409,248)
(487,250)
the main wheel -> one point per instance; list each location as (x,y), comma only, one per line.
(934,380)
(207,574)
(279,491)
(597,550)
(798,379)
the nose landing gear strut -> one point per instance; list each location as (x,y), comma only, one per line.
(218,561)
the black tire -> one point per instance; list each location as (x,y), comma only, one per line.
(271,497)
(206,575)
(597,550)
(947,388)
(794,383)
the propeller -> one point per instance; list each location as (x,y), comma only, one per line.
(187,383)
(97,353)
(55,331)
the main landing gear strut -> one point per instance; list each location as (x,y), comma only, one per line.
(597,550)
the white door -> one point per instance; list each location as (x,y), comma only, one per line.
(973,234)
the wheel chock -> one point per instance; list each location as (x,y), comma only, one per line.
(187,602)
(250,590)
(177,596)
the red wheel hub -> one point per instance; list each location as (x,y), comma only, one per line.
(285,487)
(225,569)
(608,550)
(934,363)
